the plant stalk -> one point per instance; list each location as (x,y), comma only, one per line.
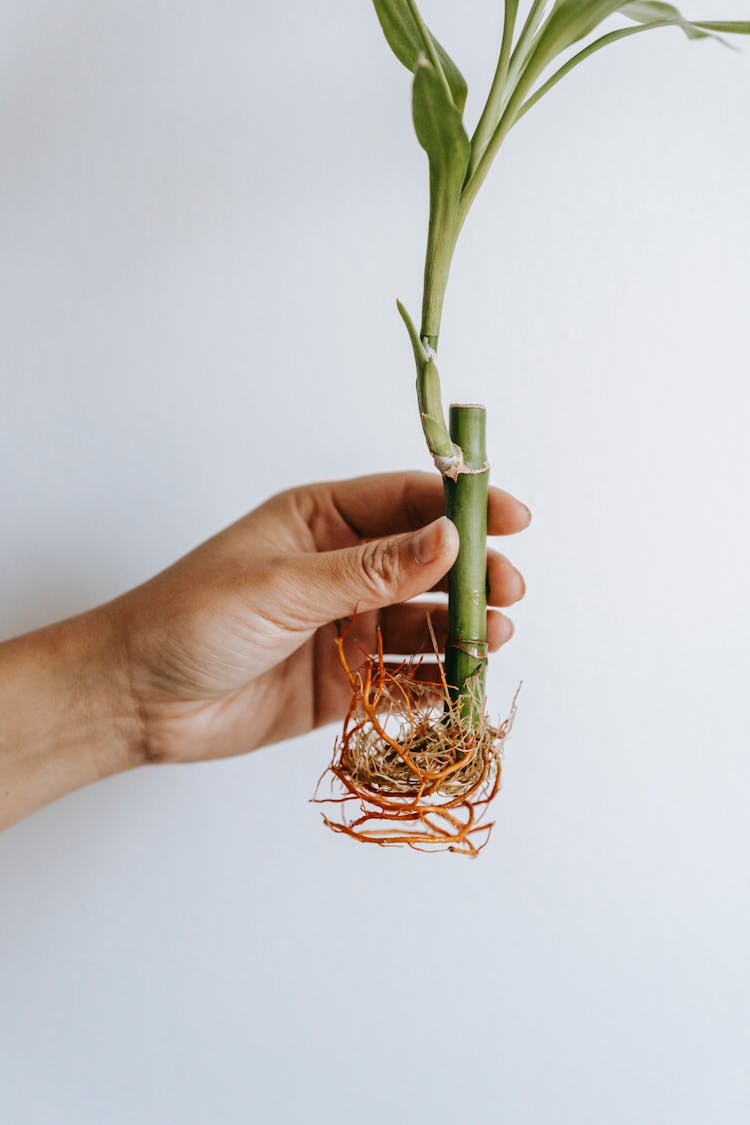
(441,242)
(494,105)
(466,506)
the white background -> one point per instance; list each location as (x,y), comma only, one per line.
(208,210)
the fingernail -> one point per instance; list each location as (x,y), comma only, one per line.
(526,509)
(430,541)
(522,580)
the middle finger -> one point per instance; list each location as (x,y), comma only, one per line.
(505,584)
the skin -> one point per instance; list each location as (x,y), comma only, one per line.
(231,648)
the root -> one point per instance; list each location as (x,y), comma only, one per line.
(409,767)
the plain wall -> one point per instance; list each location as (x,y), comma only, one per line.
(207,212)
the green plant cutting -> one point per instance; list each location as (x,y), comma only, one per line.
(415,773)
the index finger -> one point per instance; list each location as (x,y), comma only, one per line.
(389,503)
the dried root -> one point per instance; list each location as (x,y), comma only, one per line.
(409,767)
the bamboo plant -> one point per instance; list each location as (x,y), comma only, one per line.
(430,775)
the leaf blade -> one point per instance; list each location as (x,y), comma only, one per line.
(492,111)
(440,132)
(694,29)
(652,11)
(438,125)
(725,27)
(404,39)
(429,397)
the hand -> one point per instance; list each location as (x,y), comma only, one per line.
(232,647)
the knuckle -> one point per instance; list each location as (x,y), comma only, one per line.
(381,567)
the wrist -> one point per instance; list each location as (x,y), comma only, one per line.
(95,651)
(67,716)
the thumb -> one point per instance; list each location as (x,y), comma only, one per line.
(375,574)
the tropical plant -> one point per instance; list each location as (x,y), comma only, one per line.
(428,775)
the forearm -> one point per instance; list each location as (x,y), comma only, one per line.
(66,717)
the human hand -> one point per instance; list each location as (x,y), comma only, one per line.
(232,647)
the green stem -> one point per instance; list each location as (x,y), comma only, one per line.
(441,241)
(526,38)
(466,506)
(504,126)
(493,107)
(523,71)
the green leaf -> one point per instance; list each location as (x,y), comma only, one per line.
(498,94)
(420,355)
(653,11)
(725,27)
(439,129)
(438,439)
(592,48)
(520,54)
(404,38)
(428,393)
(672,18)
(440,132)
(569,21)
(572,20)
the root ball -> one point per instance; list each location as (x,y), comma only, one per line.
(413,766)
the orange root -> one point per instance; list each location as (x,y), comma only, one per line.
(407,767)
